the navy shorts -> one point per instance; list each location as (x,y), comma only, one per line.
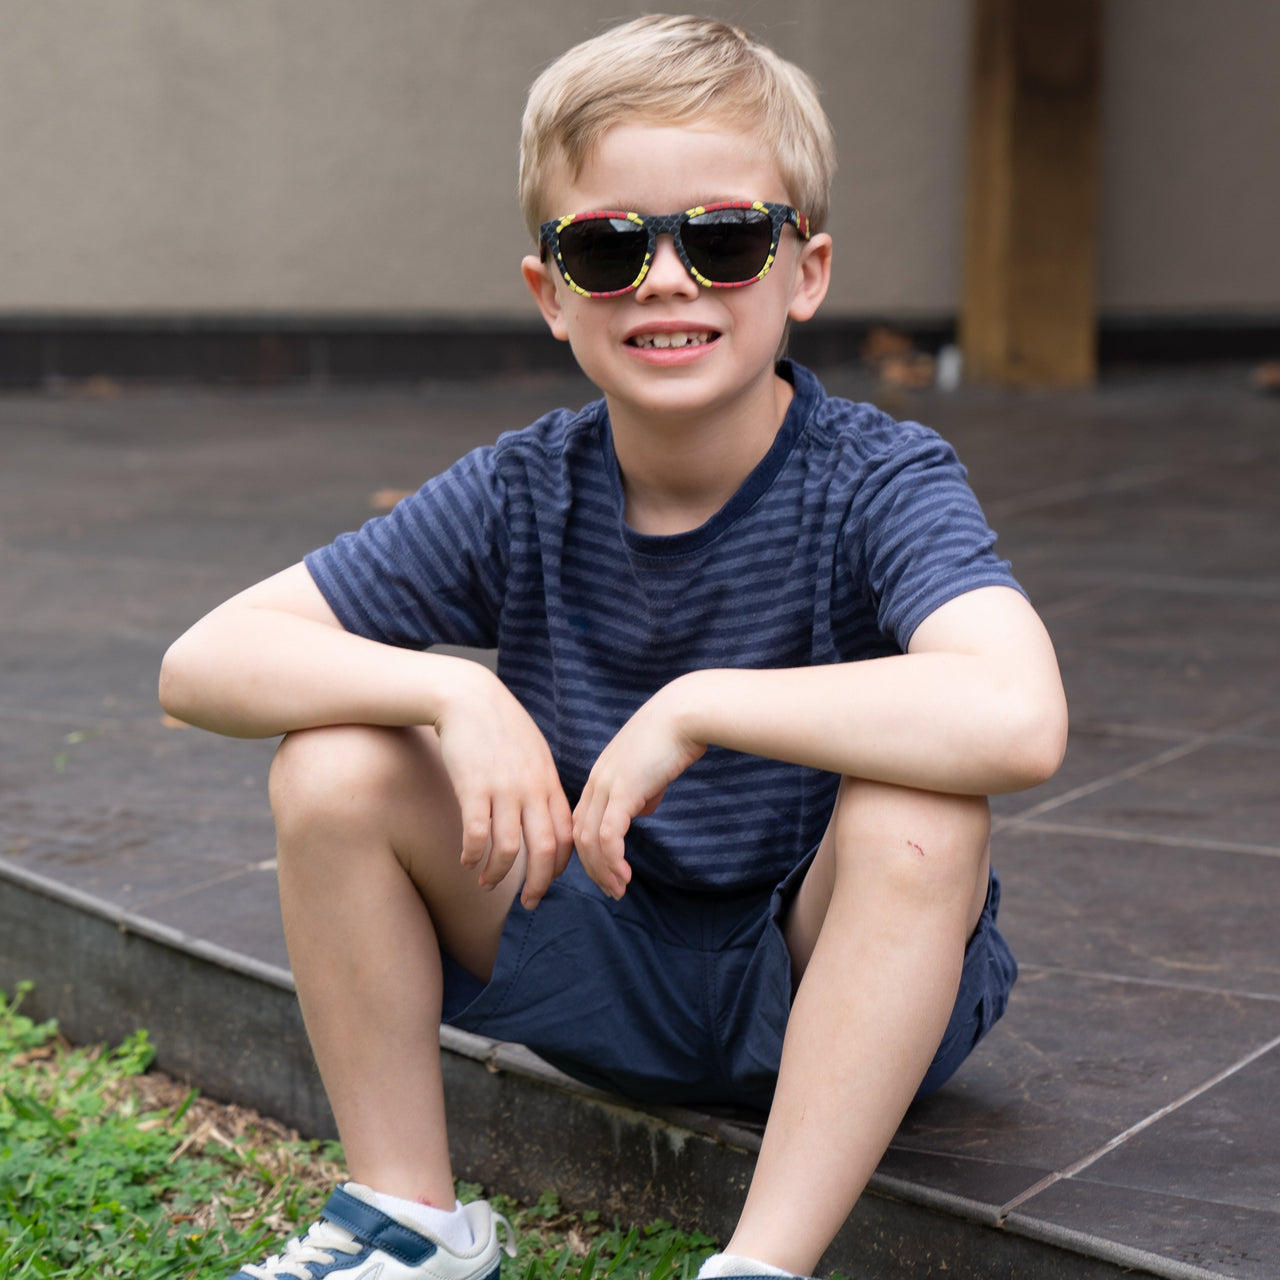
(669,996)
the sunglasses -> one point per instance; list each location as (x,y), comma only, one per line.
(723,246)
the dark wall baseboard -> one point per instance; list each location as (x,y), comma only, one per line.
(287,351)
(1189,340)
(267,351)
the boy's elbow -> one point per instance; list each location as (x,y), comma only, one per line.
(177,683)
(1040,740)
(170,681)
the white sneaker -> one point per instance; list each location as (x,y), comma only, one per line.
(355,1241)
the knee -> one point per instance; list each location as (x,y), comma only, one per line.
(333,776)
(927,845)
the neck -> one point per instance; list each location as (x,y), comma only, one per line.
(678,471)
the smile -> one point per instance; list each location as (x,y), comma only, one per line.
(661,341)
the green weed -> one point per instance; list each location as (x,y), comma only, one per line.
(111,1172)
(555,1244)
(92,1182)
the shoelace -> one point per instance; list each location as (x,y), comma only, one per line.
(321,1242)
(508,1236)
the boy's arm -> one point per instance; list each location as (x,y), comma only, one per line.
(275,659)
(975,707)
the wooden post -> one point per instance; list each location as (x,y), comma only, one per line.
(1027,316)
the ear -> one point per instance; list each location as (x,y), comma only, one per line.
(541,279)
(813,277)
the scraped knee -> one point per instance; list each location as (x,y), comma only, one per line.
(920,840)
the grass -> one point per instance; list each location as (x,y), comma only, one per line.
(112,1172)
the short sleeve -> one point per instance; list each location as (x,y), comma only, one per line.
(431,571)
(921,538)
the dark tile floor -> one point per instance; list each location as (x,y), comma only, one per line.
(1129,1094)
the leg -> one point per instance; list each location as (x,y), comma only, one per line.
(877,935)
(370,888)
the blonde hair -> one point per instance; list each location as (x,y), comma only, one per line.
(674,70)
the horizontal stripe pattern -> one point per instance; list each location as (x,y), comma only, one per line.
(846,536)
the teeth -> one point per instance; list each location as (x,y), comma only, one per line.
(664,340)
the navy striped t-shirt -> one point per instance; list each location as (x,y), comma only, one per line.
(847,535)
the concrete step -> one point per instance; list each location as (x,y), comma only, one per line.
(230,1025)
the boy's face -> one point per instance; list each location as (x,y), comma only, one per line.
(719,345)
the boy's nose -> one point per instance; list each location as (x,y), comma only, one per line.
(667,275)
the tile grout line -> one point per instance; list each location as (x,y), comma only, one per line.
(1167,756)
(1164,984)
(1143,476)
(1177,584)
(1142,732)
(1146,837)
(1136,770)
(89,559)
(162,899)
(1085,1161)
(62,719)
(1081,600)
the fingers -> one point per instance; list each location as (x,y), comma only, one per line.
(548,836)
(600,826)
(495,829)
(628,781)
(562,816)
(476,825)
(505,830)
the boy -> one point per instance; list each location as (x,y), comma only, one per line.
(758,667)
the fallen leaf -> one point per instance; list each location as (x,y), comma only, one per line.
(97,387)
(1266,377)
(894,357)
(882,342)
(385,499)
(914,370)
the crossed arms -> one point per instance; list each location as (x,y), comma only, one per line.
(975,707)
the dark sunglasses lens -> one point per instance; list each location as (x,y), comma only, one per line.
(728,245)
(602,255)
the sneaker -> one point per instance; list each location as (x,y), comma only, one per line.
(355,1241)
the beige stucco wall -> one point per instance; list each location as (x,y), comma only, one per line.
(358,156)
(1190,168)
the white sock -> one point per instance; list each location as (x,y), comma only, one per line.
(734,1264)
(448,1226)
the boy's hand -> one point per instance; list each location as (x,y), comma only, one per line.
(507,785)
(628,781)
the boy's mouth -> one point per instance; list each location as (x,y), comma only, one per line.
(679,338)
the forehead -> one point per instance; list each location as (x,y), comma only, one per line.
(665,168)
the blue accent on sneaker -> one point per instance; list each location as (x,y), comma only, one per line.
(318,1271)
(373,1227)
